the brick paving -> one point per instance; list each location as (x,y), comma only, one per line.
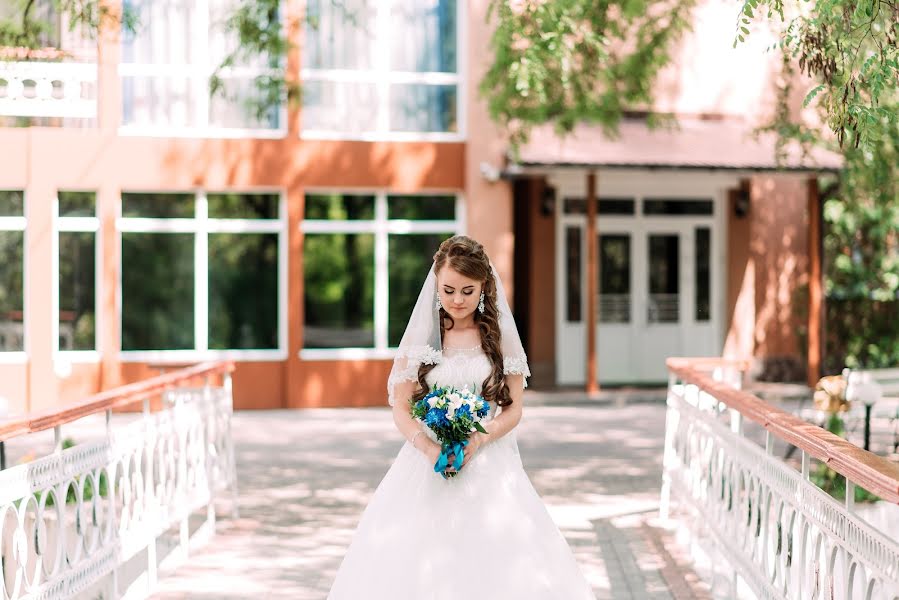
(303,487)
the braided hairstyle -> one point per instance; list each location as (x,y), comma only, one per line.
(467,257)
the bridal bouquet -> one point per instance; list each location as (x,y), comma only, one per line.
(452,414)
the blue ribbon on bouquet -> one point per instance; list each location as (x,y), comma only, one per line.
(443,460)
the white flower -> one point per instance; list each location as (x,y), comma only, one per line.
(432,401)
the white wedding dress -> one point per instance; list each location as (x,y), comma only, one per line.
(484,534)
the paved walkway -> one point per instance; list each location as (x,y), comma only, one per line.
(302,490)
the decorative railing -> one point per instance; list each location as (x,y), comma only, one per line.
(48,89)
(77,520)
(763,528)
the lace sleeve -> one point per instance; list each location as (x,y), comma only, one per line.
(406,365)
(517,365)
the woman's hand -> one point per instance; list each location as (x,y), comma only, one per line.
(475,441)
(431,451)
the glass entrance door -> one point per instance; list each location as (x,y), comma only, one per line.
(655,297)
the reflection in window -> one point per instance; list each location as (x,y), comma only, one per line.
(343,233)
(12,328)
(157,90)
(77,281)
(243,291)
(422,208)
(664,287)
(703,274)
(12,292)
(12,203)
(339,207)
(163,205)
(615,278)
(77,272)
(77,204)
(339,290)
(347,91)
(656,206)
(345,106)
(242,206)
(410,260)
(573,273)
(340,35)
(424,36)
(424,108)
(157,291)
(604,206)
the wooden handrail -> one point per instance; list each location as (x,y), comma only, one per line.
(110,399)
(870,471)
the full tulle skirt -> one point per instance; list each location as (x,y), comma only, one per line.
(484,534)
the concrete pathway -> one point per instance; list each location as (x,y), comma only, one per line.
(303,488)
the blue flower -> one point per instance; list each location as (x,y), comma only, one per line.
(484,410)
(436,417)
(463,411)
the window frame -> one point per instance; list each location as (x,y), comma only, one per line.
(197,74)
(15,357)
(78,225)
(383,77)
(201,225)
(382,228)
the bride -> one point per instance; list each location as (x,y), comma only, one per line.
(483,533)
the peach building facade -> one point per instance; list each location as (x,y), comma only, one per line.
(149,226)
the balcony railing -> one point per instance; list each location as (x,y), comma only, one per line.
(764,529)
(101,516)
(48,89)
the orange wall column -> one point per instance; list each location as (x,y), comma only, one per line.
(39,249)
(815,288)
(293,394)
(592,283)
(108,324)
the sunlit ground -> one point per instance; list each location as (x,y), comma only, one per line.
(306,476)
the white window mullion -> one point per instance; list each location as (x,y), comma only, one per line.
(12,223)
(201,276)
(382,64)
(461,225)
(382,282)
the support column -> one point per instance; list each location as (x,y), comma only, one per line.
(592,284)
(293,393)
(815,281)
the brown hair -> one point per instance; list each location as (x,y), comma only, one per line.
(467,257)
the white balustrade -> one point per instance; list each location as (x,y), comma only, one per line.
(48,89)
(69,521)
(759,521)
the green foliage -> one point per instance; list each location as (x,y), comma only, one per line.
(259,35)
(31,26)
(849,48)
(572,61)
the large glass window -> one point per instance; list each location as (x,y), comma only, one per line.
(166,66)
(202,272)
(12,271)
(364,257)
(381,68)
(77,228)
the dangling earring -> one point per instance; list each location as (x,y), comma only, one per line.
(481,303)
(437,305)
